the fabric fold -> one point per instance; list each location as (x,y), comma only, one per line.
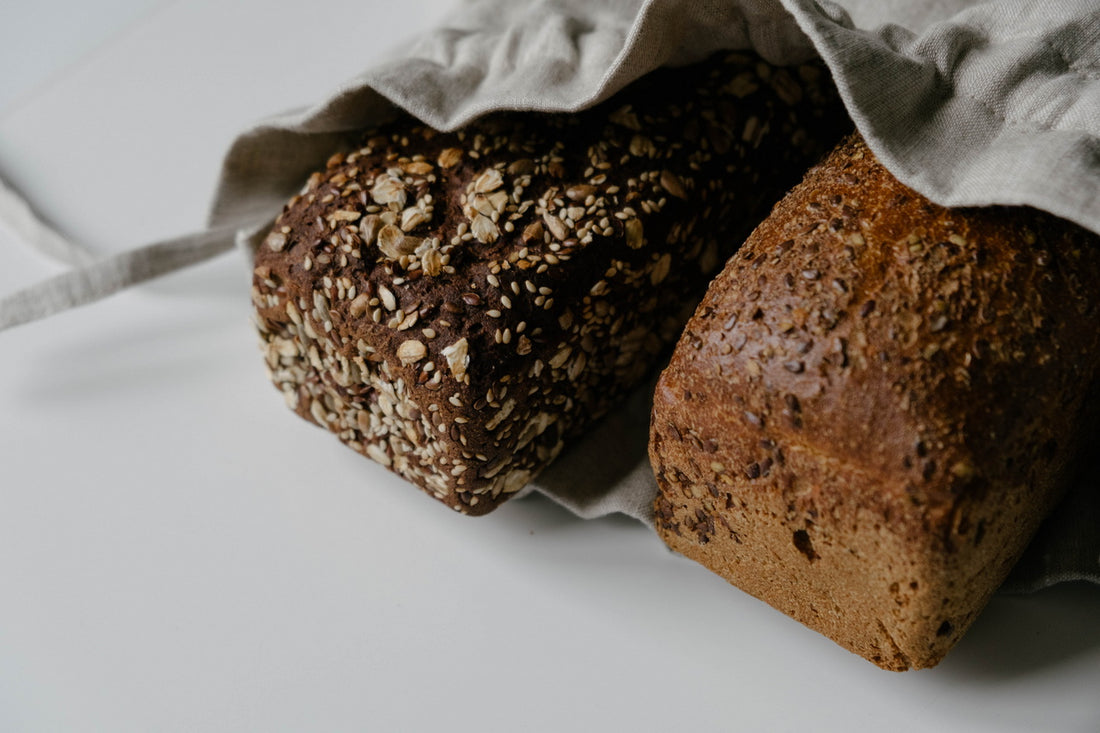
(999,104)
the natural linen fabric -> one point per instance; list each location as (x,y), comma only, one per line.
(970,103)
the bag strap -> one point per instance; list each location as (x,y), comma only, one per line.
(92,278)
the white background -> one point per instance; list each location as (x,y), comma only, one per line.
(178,552)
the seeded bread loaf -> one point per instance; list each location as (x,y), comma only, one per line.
(876,404)
(457,306)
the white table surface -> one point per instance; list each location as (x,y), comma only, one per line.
(180,553)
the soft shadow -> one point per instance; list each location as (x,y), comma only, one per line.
(135,358)
(1022,636)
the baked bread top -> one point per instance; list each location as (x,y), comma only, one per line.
(513,279)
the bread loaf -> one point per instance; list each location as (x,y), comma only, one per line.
(876,404)
(457,306)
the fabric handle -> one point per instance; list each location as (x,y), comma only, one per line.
(92,278)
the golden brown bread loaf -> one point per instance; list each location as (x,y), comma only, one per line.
(457,306)
(876,404)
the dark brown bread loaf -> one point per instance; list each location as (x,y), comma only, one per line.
(875,405)
(457,306)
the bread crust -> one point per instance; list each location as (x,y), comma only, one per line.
(876,404)
(458,306)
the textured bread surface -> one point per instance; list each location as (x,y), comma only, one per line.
(876,404)
(457,306)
